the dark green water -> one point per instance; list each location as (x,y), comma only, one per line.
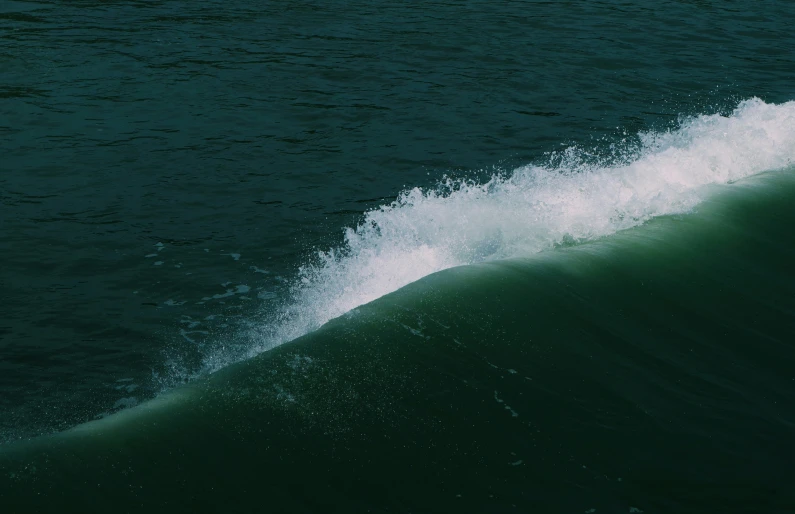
(566,285)
(577,380)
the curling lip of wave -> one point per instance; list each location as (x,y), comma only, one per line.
(535,208)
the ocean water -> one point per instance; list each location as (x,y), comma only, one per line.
(382,257)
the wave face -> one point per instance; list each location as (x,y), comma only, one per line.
(649,371)
(576,197)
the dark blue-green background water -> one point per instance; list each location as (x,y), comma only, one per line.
(170,171)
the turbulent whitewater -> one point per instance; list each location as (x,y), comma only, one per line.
(578,195)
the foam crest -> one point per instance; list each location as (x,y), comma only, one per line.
(571,199)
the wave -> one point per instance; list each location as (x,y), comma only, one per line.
(571,198)
(648,371)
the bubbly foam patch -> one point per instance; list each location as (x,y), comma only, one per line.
(571,199)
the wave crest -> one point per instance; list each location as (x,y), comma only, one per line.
(572,198)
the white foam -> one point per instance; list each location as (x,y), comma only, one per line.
(533,209)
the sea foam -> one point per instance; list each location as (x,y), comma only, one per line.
(572,198)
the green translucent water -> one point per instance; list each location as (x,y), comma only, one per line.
(581,379)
